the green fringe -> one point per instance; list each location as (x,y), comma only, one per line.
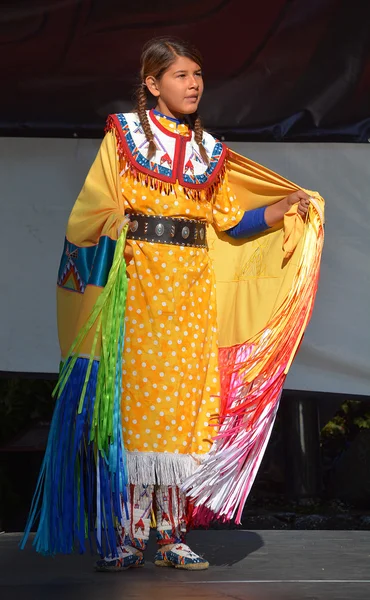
(108,314)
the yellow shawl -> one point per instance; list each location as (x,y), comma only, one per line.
(265,293)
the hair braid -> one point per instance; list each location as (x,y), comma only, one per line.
(198,137)
(141,111)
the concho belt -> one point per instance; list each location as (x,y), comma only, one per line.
(166,230)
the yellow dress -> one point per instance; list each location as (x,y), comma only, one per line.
(177,346)
(154,423)
(171,387)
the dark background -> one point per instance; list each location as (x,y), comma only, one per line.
(274,70)
(313,476)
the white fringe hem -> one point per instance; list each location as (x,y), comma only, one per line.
(161,468)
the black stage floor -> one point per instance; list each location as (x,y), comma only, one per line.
(245,565)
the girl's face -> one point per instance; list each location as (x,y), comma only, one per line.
(179,89)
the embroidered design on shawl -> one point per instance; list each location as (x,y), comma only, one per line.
(82,266)
(69,277)
(256,265)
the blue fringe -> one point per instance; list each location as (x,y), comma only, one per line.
(80,491)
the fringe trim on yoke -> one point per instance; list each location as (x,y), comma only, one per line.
(129,169)
(161,468)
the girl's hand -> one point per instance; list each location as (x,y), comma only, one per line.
(302,199)
(274,213)
(121,226)
(128,252)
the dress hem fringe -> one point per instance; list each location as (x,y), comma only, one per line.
(161,468)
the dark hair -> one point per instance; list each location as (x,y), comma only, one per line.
(157,56)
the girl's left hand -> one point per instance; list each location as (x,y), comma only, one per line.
(302,199)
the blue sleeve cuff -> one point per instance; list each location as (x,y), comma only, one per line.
(252,222)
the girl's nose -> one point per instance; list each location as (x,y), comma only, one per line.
(193,83)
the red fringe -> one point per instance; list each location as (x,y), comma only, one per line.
(201,195)
(252,378)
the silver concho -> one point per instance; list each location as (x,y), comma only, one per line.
(201,234)
(133,226)
(159,229)
(185,232)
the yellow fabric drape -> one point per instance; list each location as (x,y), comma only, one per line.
(265,289)
(255,275)
(98,211)
(99,208)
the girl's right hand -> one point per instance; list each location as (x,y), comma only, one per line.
(128,252)
(124,222)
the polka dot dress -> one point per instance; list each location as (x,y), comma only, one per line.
(170,373)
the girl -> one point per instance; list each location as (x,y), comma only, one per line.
(140,396)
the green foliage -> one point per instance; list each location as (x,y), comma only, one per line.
(341,430)
(351,416)
(337,426)
(362,422)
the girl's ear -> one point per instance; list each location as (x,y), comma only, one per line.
(151,84)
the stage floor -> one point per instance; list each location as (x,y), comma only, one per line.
(245,565)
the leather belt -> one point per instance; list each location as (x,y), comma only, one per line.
(166,230)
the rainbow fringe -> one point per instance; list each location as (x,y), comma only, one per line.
(252,378)
(82,482)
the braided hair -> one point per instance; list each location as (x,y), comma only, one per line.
(141,102)
(198,135)
(157,56)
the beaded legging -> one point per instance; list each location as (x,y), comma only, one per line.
(169,507)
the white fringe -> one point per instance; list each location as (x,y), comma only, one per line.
(161,468)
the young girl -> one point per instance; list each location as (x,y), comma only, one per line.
(140,396)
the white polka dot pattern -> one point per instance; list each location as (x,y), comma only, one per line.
(170,379)
(170,385)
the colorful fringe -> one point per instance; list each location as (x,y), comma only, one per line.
(82,483)
(129,169)
(252,378)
